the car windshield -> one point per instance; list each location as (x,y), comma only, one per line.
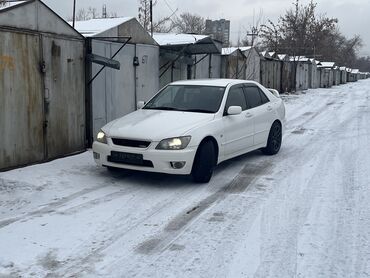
(188,98)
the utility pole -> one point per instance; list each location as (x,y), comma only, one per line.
(104,12)
(74,13)
(151,17)
(253,34)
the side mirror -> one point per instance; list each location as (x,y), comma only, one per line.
(234,110)
(274,92)
(140,104)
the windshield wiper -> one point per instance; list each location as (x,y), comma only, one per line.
(161,108)
(198,110)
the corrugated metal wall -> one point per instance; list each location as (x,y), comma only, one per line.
(42,96)
(271,74)
(233,66)
(326,78)
(336,77)
(171,71)
(208,67)
(302,76)
(287,77)
(253,65)
(314,76)
(343,77)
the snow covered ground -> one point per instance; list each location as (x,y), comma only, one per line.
(302,213)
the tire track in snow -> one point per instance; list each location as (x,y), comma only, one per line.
(156,244)
(181,222)
(52,207)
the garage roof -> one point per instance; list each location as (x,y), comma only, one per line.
(193,44)
(96,26)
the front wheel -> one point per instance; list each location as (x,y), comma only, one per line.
(204,163)
(274,139)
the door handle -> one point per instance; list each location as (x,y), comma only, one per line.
(248,115)
(269,108)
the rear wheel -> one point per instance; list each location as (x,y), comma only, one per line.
(274,139)
(204,162)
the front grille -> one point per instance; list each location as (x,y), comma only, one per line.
(144,163)
(131,143)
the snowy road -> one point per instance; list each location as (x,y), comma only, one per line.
(302,213)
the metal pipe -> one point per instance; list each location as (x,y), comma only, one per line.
(114,55)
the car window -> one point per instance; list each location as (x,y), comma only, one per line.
(236,98)
(253,96)
(168,98)
(188,98)
(264,98)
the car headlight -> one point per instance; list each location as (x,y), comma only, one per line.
(101,137)
(177,143)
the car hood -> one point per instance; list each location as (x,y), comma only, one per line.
(155,125)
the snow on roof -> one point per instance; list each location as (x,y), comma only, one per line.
(245,48)
(11,4)
(231,50)
(300,59)
(177,39)
(282,56)
(272,54)
(96,26)
(355,71)
(265,54)
(327,64)
(228,50)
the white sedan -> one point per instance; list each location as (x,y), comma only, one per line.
(191,126)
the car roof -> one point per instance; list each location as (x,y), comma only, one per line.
(213,82)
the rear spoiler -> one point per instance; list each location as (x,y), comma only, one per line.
(274,92)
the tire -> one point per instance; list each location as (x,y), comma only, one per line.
(204,163)
(274,139)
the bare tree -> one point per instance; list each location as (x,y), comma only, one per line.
(2,3)
(82,14)
(301,32)
(162,25)
(363,64)
(144,13)
(92,12)
(253,33)
(189,23)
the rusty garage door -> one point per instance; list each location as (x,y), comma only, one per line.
(64,95)
(42,99)
(21,100)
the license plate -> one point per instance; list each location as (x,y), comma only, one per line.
(129,158)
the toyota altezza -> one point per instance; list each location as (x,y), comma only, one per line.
(189,127)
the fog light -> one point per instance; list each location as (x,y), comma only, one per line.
(178,164)
(96,155)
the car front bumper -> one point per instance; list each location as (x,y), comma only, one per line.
(161,159)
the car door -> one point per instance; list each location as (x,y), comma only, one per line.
(261,108)
(238,129)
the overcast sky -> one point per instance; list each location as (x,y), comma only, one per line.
(353,15)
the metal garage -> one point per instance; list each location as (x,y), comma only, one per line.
(42,85)
(115,92)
